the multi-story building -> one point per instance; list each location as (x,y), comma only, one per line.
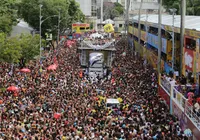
(135,4)
(89,9)
(147,4)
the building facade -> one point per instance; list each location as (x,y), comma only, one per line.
(89,9)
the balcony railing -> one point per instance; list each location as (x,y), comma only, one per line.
(166,84)
(179,98)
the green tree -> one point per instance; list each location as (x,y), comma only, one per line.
(192,6)
(69,10)
(29,47)
(119,8)
(8,15)
(10,49)
(112,10)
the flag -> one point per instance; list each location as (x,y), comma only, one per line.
(108,28)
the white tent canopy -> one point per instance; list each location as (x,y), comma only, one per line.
(107,21)
(96,35)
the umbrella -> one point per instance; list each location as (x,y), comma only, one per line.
(57,115)
(25,70)
(12,88)
(52,67)
(188,132)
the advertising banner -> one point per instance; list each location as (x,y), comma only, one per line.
(130,29)
(143,34)
(153,58)
(153,41)
(188,59)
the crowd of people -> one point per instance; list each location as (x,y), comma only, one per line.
(61,105)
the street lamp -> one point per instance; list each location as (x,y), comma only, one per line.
(58,27)
(41,21)
(173,11)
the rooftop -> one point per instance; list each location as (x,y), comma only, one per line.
(191,22)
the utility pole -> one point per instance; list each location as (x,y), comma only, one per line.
(101,11)
(40,31)
(173,44)
(146,37)
(139,27)
(159,36)
(182,32)
(127,20)
(58,28)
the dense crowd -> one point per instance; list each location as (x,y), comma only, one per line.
(61,105)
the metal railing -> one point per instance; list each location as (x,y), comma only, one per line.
(189,111)
(166,84)
(179,98)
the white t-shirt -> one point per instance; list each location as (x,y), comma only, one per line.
(197,107)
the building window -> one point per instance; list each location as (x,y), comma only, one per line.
(94,2)
(120,25)
(94,14)
(93,10)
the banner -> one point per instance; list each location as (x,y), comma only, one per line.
(108,28)
(189,59)
(153,41)
(143,34)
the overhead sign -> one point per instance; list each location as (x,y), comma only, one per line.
(108,28)
(48,36)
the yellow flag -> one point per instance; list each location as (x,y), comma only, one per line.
(108,28)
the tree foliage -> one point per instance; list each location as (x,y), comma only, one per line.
(112,10)
(10,49)
(8,15)
(192,6)
(30,46)
(24,47)
(69,10)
